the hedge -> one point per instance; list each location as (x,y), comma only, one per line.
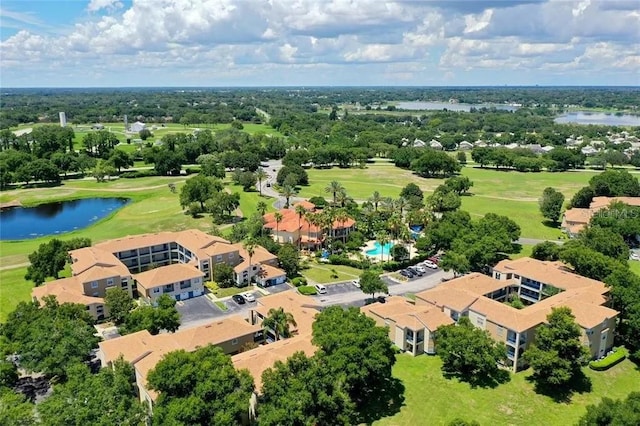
(299,281)
(307,290)
(390,265)
(610,360)
(133,174)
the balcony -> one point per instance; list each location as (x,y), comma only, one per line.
(168,288)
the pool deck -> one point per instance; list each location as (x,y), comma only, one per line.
(371,245)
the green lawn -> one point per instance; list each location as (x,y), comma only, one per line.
(525,251)
(508,193)
(430,399)
(321,273)
(13,290)
(249,200)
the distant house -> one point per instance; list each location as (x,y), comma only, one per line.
(536,147)
(547,148)
(137,126)
(97,126)
(512,145)
(417,143)
(589,150)
(434,144)
(465,146)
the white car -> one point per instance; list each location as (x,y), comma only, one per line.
(430,264)
(320,289)
(634,256)
(421,268)
(356,283)
(249,297)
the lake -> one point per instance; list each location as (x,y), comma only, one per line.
(21,223)
(422,106)
(586,117)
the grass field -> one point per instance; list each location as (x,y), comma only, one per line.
(512,194)
(322,274)
(430,399)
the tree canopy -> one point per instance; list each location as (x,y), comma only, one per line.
(163,316)
(613,412)
(207,391)
(551,204)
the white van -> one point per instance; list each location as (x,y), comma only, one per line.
(321,289)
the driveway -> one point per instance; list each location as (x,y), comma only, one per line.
(197,309)
(278,288)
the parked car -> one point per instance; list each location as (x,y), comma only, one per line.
(634,256)
(356,283)
(381,299)
(408,273)
(430,264)
(320,289)
(268,184)
(434,259)
(404,273)
(238,299)
(420,268)
(414,271)
(249,297)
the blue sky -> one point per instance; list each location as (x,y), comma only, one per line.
(105,43)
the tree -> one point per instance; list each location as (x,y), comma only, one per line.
(260,176)
(208,390)
(145,134)
(261,208)
(120,159)
(211,166)
(51,337)
(301,391)
(199,188)
(223,275)
(459,184)
(248,181)
(106,398)
(470,353)
(167,162)
(289,259)
(546,250)
(615,183)
(47,261)
(278,321)
(444,199)
(462,157)
(103,170)
(277,216)
(399,253)
(557,354)
(333,188)
(287,192)
(163,316)
(582,199)
(355,351)
(376,199)
(8,374)
(382,238)
(249,245)
(613,412)
(435,163)
(411,190)
(456,262)
(371,283)
(605,241)
(119,304)
(551,204)
(15,410)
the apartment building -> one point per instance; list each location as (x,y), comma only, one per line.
(149,265)
(541,286)
(411,326)
(296,229)
(303,308)
(144,350)
(576,219)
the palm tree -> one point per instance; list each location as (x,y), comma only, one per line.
(278,321)
(261,175)
(401,204)
(342,216)
(376,199)
(261,207)
(333,188)
(342,197)
(300,211)
(278,218)
(395,224)
(287,192)
(407,238)
(388,204)
(383,238)
(250,246)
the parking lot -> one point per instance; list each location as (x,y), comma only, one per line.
(339,288)
(197,309)
(278,288)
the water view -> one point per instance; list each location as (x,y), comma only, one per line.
(586,117)
(20,223)
(421,106)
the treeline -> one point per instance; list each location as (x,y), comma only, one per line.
(525,160)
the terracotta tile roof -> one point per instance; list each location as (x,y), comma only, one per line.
(260,255)
(407,314)
(66,290)
(453,298)
(99,272)
(133,242)
(268,271)
(303,308)
(602,202)
(575,215)
(479,283)
(292,223)
(552,273)
(259,359)
(87,257)
(169,274)
(308,205)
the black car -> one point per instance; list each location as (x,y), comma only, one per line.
(408,273)
(238,299)
(381,299)
(414,271)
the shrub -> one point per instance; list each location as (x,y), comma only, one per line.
(133,174)
(307,290)
(299,281)
(610,360)
(191,170)
(335,259)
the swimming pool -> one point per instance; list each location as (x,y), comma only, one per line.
(378,249)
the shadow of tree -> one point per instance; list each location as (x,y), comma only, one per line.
(493,380)
(579,383)
(385,401)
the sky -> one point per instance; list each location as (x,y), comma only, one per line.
(212,43)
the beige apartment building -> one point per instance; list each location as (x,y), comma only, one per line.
(576,219)
(541,286)
(149,265)
(411,326)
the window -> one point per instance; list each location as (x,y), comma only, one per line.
(156,290)
(508,276)
(232,255)
(94,284)
(96,294)
(234,342)
(109,281)
(219,258)
(497,275)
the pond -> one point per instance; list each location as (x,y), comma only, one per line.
(421,106)
(20,223)
(586,117)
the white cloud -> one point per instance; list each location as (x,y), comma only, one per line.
(235,38)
